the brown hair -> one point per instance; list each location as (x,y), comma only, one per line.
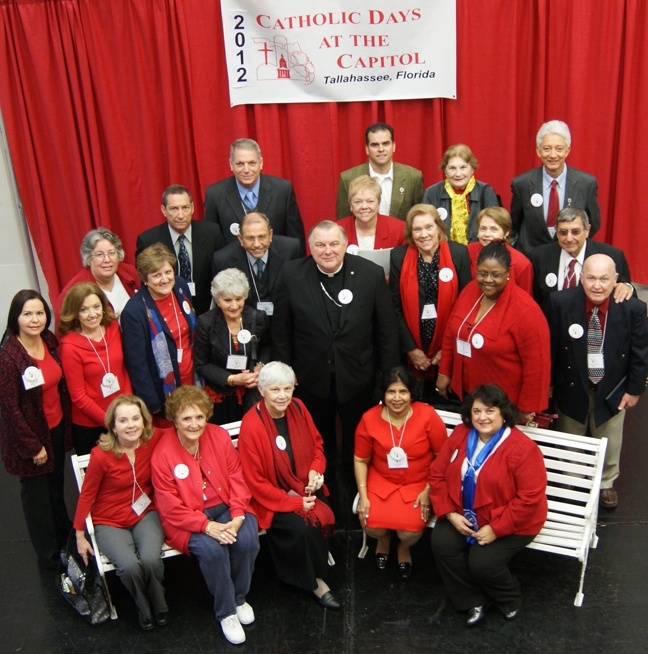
(501,216)
(186,396)
(152,258)
(72,302)
(459,150)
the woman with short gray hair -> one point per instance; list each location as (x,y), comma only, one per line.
(102,257)
(232,344)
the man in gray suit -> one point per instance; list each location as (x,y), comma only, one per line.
(558,265)
(539,194)
(260,255)
(228,200)
(402,186)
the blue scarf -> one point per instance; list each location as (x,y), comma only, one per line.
(469,480)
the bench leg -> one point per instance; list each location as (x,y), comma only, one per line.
(578,601)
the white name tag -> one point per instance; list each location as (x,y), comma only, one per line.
(429,312)
(397,458)
(463,348)
(595,360)
(236,362)
(32,377)
(109,385)
(179,354)
(192,290)
(140,504)
(268,307)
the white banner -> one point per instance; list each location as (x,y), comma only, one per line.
(339,50)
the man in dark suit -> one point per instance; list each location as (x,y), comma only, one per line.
(260,255)
(558,265)
(539,194)
(192,241)
(402,186)
(228,200)
(599,361)
(335,324)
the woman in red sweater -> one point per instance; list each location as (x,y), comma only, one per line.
(93,361)
(283,462)
(117,489)
(35,429)
(488,490)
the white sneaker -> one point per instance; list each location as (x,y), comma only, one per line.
(245,613)
(232,630)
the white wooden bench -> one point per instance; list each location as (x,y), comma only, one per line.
(79,465)
(574,468)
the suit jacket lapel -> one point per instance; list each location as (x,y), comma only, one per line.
(400,182)
(576,315)
(234,200)
(317,295)
(265,195)
(535,186)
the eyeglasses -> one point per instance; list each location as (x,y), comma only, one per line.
(482,274)
(100,256)
(174,211)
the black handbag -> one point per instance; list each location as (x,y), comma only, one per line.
(81,584)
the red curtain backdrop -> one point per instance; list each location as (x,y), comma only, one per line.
(107,103)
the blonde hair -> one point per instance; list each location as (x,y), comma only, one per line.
(109,442)
(424,210)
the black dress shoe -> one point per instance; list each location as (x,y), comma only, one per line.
(511,615)
(145,623)
(405,569)
(328,601)
(161,618)
(381,560)
(475,615)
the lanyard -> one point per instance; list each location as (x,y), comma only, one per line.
(239,342)
(106,371)
(391,430)
(252,275)
(135,482)
(175,312)
(471,310)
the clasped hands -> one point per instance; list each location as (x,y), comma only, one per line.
(484,535)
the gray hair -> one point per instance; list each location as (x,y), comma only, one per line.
(554,127)
(275,372)
(244,144)
(230,281)
(327,224)
(569,214)
(91,239)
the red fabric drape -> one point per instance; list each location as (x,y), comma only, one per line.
(107,103)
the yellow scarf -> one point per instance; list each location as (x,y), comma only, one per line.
(459,211)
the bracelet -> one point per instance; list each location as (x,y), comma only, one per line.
(230,381)
(360,485)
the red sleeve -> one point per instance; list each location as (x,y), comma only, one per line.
(363,439)
(436,432)
(94,475)
(442,502)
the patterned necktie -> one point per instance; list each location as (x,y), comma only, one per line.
(249,201)
(260,267)
(594,346)
(570,277)
(183,259)
(554,204)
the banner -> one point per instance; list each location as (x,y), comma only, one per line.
(339,50)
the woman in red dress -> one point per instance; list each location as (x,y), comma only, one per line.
(395,444)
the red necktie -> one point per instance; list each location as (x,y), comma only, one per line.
(570,277)
(554,204)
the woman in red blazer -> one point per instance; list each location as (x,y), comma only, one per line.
(366,228)
(496,332)
(283,462)
(488,491)
(203,502)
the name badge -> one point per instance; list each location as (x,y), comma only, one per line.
(192,290)
(179,354)
(477,341)
(443,213)
(268,307)
(551,280)
(429,312)
(281,442)
(185,305)
(32,377)
(140,504)
(463,348)
(244,336)
(537,200)
(575,330)
(397,458)
(236,362)
(446,274)
(109,384)
(595,360)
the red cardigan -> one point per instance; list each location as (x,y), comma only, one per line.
(390,232)
(259,470)
(511,487)
(515,352)
(177,479)
(23,424)
(84,372)
(521,267)
(108,487)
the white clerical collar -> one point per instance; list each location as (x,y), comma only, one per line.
(328,274)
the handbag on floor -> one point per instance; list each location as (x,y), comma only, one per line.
(81,585)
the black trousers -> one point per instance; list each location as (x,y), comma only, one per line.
(85,438)
(43,504)
(474,575)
